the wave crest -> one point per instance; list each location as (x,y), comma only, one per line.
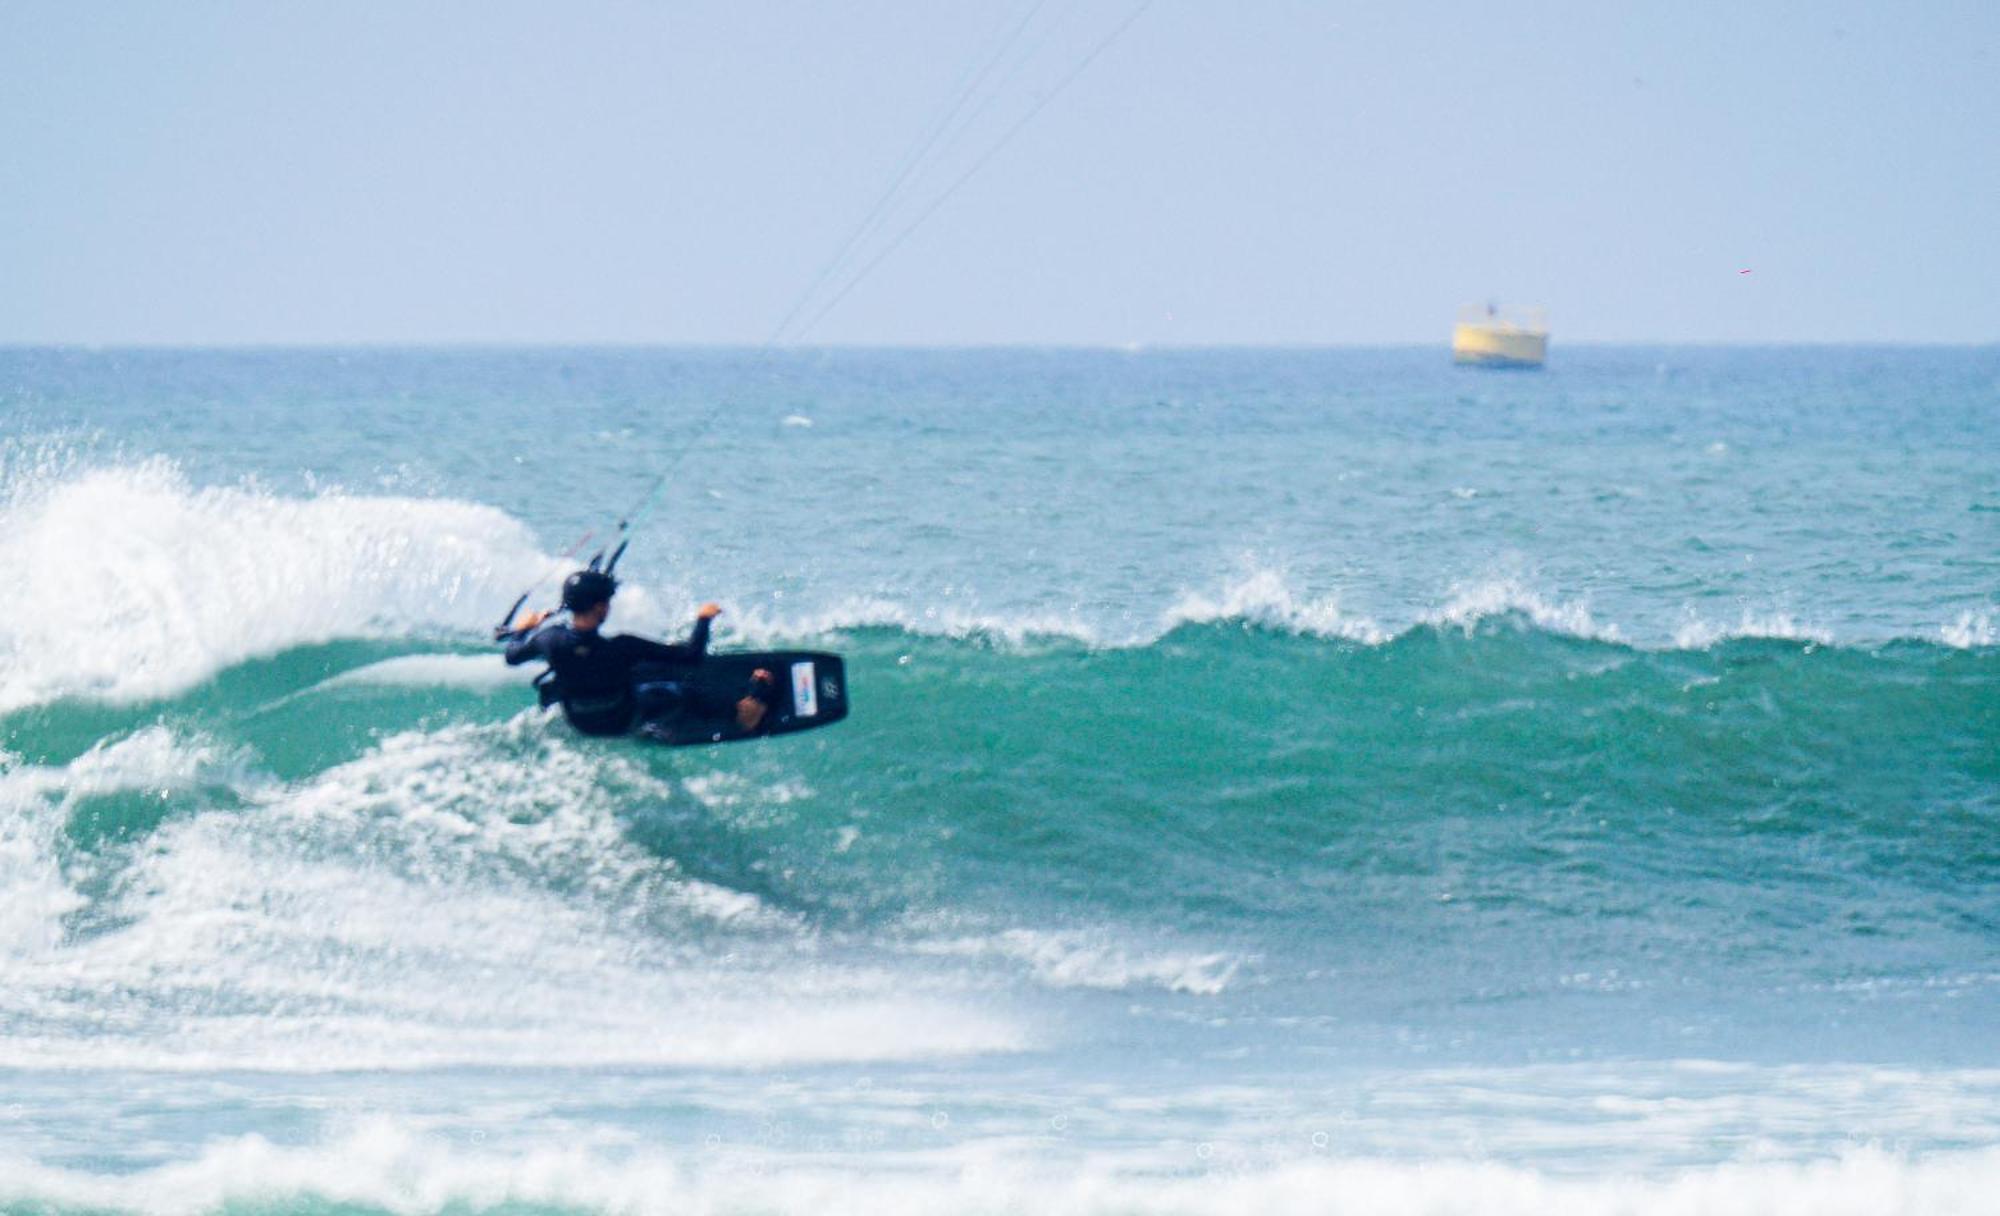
(160,584)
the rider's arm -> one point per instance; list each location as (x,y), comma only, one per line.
(528,647)
(697,642)
(645,650)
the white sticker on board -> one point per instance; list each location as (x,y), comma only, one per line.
(805,692)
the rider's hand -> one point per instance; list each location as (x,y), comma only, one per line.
(531,620)
(709,611)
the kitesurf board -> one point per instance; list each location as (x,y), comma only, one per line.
(810,690)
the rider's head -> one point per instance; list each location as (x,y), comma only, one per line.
(587,594)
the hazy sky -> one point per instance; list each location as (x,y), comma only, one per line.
(1224,172)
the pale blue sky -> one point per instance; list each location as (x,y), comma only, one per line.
(1256,172)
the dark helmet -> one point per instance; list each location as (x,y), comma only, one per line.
(586,589)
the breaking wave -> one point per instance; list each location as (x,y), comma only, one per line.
(269,801)
(383,1167)
(165,584)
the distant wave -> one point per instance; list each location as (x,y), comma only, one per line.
(1265,601)
(1971,631)
(1265,598)
(381,1165)
(1777,626)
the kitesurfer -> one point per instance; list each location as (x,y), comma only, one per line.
(606,682)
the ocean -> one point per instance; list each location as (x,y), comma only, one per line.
(1278,781)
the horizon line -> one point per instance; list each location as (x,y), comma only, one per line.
(1135,347)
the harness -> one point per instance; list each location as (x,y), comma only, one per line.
(605,714)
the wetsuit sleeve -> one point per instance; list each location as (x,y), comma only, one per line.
(527,649)
(645,650)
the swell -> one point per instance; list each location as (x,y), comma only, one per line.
(1250,784)
(277,863)
(1226,774)
(1221,775)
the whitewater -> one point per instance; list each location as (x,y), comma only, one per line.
(1288,781)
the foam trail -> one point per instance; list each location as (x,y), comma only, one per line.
(165,584)
(1073,959)
(461,896)
(468,671)
(35,893)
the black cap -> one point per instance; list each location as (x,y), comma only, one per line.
(586,589)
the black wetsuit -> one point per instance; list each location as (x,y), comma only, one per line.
(599,676)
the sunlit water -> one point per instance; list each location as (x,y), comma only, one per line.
(1278,781)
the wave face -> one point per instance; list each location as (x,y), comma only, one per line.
(1465,815)
(1172,859)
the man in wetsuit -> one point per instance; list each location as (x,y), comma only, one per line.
(606,681)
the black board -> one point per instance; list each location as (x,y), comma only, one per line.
(809,690)
(700,705)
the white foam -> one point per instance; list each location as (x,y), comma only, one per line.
(1697,634)
(152,758)
(168,584)
(465,896)
(1468,604)
(760,626)
(385,1164)
(163,584)
(34,893)
(1265,597)
(1079,959)
(36,800)
(1257,597)
(1971,631)
(1269,598)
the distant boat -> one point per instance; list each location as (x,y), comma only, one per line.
(1484,337)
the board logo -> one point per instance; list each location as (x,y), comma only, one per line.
(829,688)
(805,693)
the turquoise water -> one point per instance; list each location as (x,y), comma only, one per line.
(1278,781)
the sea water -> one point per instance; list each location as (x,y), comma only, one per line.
(1278,781)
